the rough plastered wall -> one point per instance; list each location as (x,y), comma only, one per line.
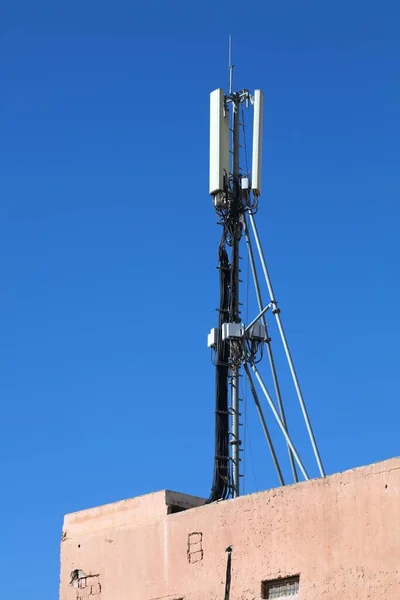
(341,535)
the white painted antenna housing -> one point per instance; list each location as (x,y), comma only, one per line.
(257,142)
(219,142)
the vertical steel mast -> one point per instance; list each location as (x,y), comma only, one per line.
(225,187)
(235,442)
(235,196)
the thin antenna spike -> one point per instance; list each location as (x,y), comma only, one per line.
(230,66)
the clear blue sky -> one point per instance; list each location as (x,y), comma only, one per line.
(108,246)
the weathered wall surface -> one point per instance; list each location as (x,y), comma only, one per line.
(340,534)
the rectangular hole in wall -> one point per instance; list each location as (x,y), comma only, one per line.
(285,587)
(171,510)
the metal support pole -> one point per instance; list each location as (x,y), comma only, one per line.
(279,421)
(276,312)
(234,312)
(235,441)
(259,316)
(264,425)
(268,343)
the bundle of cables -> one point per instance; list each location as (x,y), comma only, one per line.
(222,482)
(228,353)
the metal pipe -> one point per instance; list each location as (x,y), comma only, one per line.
(234,312)
(254,321)
(279,421)
(235,441)
(286,347)
(268,342)
(264,425)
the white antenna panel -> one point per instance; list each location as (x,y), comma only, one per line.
(257,142)
(219,142)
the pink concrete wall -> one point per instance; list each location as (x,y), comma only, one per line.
(341,534)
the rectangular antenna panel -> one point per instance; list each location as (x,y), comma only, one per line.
(219,142)
(257,142)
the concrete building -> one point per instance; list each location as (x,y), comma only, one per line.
(336,539)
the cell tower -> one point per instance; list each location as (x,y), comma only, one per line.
(238,346)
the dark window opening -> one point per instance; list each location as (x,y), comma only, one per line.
(173,508)
(285,587)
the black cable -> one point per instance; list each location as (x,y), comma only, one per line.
(221,479)
(230,214)
(228,576)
